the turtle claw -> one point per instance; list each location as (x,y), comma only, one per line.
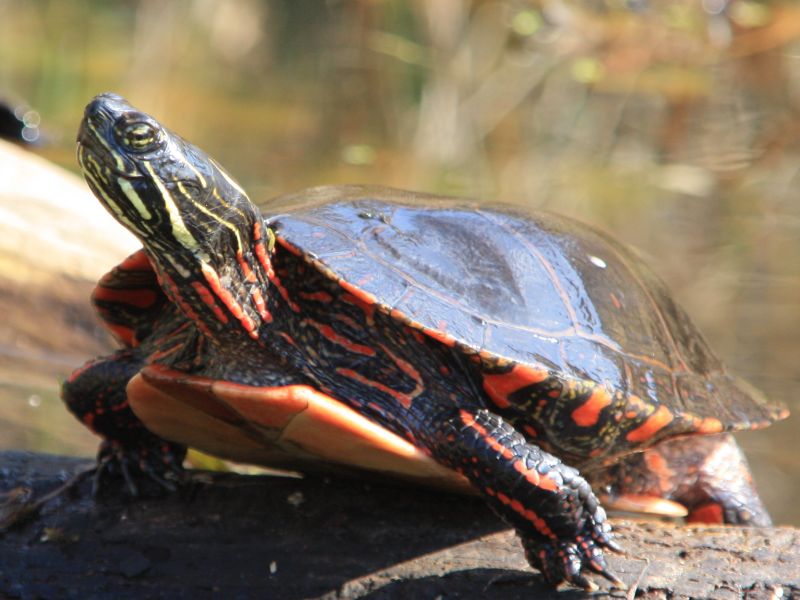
(145,470)
(564,561)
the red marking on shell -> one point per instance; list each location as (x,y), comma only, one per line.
(289,246)
(209,300)
(404,399)
(227,298)
(706,513)
(316,296)
(588,413)
(440,336)
(358,292)
(708,425)
(500,386)
(329,333)
(652,425)
(615,301)
(140,298)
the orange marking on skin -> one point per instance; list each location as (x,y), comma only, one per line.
(316,296)
(169,285)
(264,261)
(409,369)
(347,321)
(707,513)
(229,301)
(367,307)
(123,333)
(539,523)
(470,422)
(588,413)
(500,386)
(140,298)
(249,276)
(289,339)
(209,300)
(255,292)
(652,425)
(535,478)
(261,306)
(161,354)
(329,333)
(402,398)
(659,467)
(138,261)
(530,431)
(261,253)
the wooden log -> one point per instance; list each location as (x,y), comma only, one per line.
(238,536)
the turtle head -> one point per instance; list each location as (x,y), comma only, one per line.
(196,223)
(168,192)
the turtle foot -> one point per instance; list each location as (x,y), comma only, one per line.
(565,561)
(145,470)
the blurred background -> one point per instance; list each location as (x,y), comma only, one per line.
(674,125)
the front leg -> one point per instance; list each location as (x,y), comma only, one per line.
(562,526)
(130,453)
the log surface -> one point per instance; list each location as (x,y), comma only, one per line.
(275,537)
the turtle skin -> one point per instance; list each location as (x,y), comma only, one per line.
(498,344)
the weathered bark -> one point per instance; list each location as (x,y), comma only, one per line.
(277,537)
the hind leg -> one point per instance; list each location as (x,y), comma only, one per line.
(708,475)
(96,395)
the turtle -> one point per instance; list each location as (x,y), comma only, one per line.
(521,355)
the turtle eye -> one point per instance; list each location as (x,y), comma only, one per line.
(138,136)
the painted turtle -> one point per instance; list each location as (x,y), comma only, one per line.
(401,333)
